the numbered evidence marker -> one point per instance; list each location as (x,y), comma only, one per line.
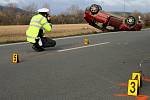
(15,58)
(133,89)
(137,76)
(86,41)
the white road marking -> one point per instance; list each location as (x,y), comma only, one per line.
(111,33)
(75,48)
(12,44)
(70,37)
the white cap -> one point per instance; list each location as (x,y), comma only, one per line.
(43,10)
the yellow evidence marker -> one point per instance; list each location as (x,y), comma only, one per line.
(137,76)
(133,89)
(15,58)
(86,41)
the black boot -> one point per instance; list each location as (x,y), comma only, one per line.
(37,48)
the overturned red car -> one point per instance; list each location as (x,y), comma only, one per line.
(104,21)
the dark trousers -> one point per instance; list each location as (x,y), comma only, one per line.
(47,42)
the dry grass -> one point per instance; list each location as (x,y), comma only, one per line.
(16,33)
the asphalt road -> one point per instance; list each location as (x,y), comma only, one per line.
(72,71)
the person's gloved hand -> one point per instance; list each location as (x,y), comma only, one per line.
(49,19)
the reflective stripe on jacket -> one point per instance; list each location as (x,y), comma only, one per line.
(37,22)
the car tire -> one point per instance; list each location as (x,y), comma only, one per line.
(94,9)
(131,21)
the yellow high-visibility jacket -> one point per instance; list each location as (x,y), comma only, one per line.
(37,22)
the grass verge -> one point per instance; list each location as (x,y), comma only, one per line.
(16,33)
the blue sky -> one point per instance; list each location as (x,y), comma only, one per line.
(58,6)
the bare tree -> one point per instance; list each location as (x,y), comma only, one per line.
(147,19)
(12,5)
(137,14)
(46,5)
(32,7)
(73,10)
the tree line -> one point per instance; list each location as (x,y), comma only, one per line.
(11,15)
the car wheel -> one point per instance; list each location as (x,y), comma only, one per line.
(95,8)
(131,21)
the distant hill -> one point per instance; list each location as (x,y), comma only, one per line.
(13,16)
(17,10)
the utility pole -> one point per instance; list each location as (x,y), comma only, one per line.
(124,8)
(11,1)
(102,2)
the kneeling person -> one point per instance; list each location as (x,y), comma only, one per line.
(40,24)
